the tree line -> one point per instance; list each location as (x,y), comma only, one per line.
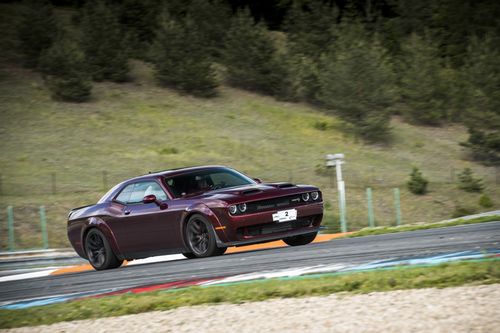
(432,62)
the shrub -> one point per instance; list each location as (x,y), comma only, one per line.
(417,183)
(468,183)
(485,201)
(462,211)
(320,125)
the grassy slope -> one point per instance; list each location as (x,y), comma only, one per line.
(413,227)
(446,275)
(129,129)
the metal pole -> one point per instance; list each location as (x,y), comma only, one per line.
(398,206)
(10,226)
(53,181)
(43,224)
(371,220)
(342,204)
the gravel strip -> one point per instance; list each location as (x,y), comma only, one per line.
(459,309)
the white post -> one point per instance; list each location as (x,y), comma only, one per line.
(337,161)
(341,189)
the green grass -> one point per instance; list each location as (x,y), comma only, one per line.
(131,128)
(413,227)
(447,275)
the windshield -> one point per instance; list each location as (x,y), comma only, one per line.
(205,180)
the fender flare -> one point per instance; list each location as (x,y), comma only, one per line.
(206,212)
(99,223)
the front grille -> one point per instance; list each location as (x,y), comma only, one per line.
(271,228)
(275,203)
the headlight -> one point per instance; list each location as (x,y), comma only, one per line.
(315,196)
(305,196)
(242,207)
(232,209)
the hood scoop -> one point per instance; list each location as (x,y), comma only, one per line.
(250,191)
(282,185)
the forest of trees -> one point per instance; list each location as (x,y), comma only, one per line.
(433,62)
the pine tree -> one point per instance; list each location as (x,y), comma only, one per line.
(422,86)
(251,58)
(417,183)
(103,42)
(357,82)
(64,71)
(482,73)
(309,27)
(468,182)
(212,20)
(36,31)
(139,19)
(180,61)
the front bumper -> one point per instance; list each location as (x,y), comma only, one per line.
(260,227)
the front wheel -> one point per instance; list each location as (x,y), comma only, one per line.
(99,251)
(300,240)
(200,238)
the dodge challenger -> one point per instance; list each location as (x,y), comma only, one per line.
(197,211)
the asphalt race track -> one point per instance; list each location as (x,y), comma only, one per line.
(360,250)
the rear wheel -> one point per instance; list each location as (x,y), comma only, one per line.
(300,240)
(200,238)
(99,251)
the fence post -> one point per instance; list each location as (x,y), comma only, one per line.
(371,221)
(53,182)
(397,204)
(1,184)
(43,224)
(10,226)
(105,180)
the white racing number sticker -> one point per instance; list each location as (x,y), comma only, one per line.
(285,215)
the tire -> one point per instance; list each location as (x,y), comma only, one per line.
(99,252)
(188,255)
(300,240)
(200,238)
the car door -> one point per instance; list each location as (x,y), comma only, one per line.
(142,229)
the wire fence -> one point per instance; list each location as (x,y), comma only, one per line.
(65,182)
(26,227)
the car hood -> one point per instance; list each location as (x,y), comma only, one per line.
(255,192)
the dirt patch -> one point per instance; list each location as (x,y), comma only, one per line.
(460,309)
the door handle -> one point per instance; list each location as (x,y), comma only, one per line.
(126,212)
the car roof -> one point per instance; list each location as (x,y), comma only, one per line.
(175,172)
(172,172)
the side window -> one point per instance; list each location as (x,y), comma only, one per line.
(124,195)
(134,193)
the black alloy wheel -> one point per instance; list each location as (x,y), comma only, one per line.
(99,252)
(200,238)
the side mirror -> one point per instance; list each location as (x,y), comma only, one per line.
(258,180)
(149,199)
(152,199)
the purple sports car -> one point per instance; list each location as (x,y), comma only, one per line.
(197,211)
